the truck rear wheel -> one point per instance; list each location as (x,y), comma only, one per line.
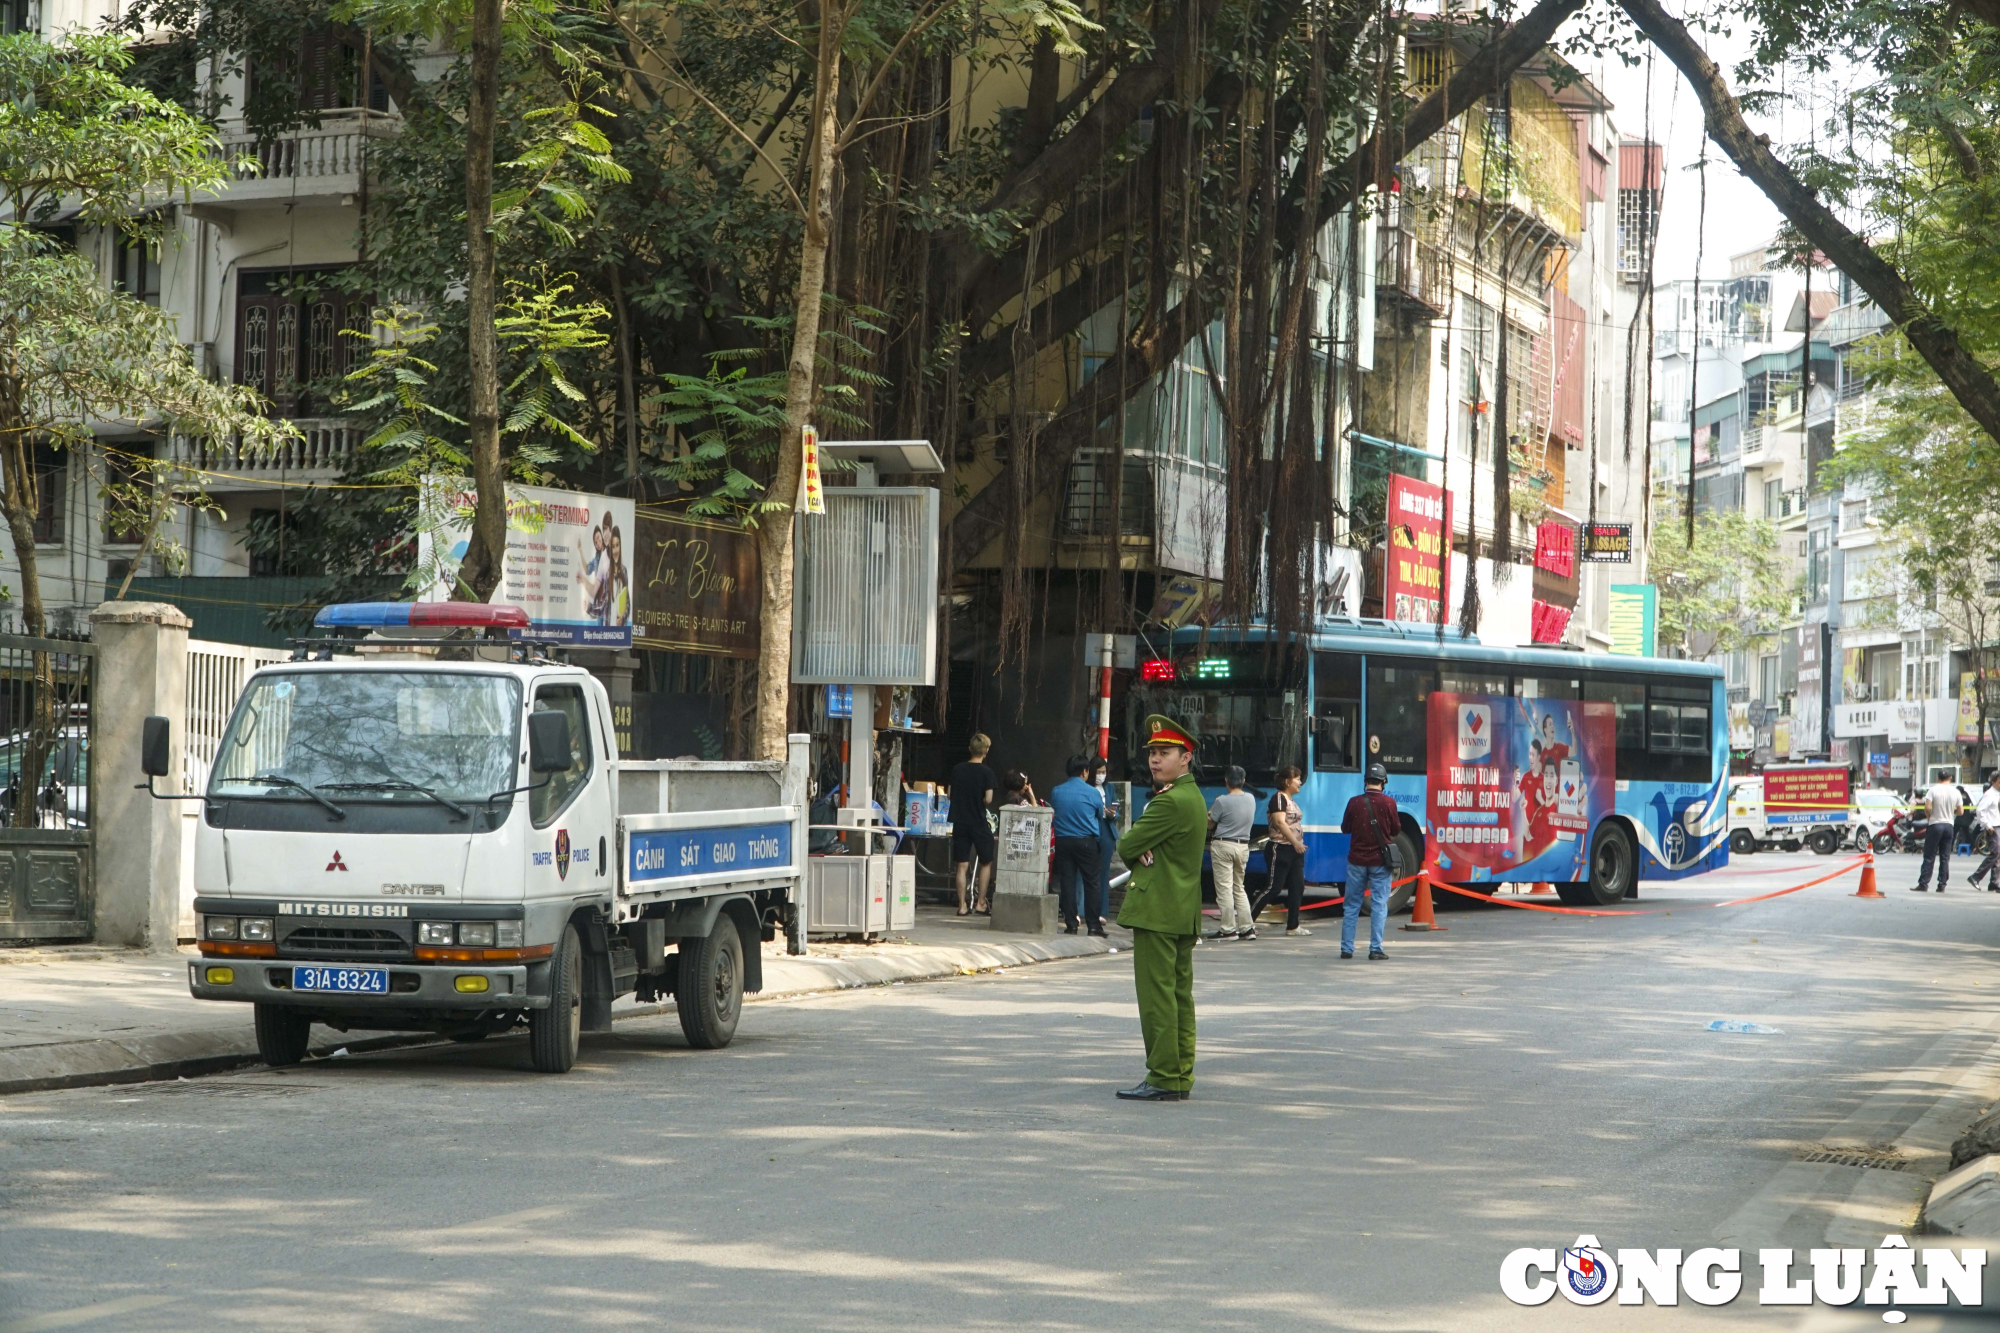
(554,1033)
(708,994)
(1824,842)
(282,1034)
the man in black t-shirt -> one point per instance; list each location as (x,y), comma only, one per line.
(972,788)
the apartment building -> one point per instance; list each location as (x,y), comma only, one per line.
(1863,672)
(246,271)
(1521,228)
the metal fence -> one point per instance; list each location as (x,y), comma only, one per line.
(46,888)
(216,673)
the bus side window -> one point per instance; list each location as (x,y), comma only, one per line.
(1398,728)
(1628,703)
(1336,715)
(1547,687)
(1678,731)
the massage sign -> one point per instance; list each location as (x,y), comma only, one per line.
(1516,785)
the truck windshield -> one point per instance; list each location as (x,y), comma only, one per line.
(453,734)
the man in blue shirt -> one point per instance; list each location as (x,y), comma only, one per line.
(1079,808)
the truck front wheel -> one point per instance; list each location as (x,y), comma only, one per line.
(282,1033)
(708,994)
(554,1033)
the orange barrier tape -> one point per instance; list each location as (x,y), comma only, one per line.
(1331,902)
(1854,864)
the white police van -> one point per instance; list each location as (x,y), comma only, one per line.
(438,835)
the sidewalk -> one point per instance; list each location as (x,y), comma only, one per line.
(84,1015)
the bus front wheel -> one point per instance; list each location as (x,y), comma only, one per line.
(1613,870)
(1413,856)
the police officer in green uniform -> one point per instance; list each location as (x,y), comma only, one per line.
(1163,911)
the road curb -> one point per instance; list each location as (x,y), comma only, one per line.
(101,1062)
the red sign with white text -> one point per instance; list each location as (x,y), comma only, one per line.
(1414,585)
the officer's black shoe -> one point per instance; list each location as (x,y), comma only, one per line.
(1347,953)
(1070,929)
(1100,931)
(1375,955)
(1146,1092)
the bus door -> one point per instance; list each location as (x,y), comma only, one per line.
(1336,763)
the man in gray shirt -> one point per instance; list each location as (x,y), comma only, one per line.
(1229,823)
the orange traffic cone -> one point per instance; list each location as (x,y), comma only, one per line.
(1543,888)
(1867,889)
(1421,917)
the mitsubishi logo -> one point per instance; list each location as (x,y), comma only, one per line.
(336,863)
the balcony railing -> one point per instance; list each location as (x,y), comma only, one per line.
(305,160)
(323,450)
(1412,272)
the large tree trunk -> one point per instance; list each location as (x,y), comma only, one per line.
(774,533)
(485,554)
(1969,381)
(19,501)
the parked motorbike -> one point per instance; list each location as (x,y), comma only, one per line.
(1905,833)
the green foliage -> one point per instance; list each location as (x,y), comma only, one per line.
(1725,592)
(74,354)
(418,444)
(74,133)
(730,421)
(1935,481)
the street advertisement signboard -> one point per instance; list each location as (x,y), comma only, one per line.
(1634,608)
(567,565)
(1806,794)
(1968,707)
(1516,785)
(1419,521)
(1606,543)
(697,585)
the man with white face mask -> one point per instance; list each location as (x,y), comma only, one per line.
(1107,832)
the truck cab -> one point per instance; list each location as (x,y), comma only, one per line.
(431,838)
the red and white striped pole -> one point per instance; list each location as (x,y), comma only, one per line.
(1104,704)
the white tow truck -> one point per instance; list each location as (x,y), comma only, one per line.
(414,834)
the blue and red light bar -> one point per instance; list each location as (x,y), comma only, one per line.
(420,615)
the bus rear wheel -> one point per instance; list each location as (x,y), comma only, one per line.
(1614,869)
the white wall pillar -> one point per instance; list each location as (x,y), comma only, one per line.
(141,671)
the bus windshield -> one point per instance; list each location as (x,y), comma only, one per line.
(1246,705)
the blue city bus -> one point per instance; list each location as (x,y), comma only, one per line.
(1360,693)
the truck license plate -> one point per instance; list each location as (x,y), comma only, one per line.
(348,980)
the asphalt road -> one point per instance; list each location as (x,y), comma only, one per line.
(1366,1140)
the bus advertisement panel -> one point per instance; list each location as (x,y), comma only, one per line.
(1515,785)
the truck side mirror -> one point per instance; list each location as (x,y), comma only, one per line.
(153,747)
(548,742)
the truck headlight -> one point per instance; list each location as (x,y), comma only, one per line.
(434,932)
(507,934)
(476,934)
(218,928)
(256,928)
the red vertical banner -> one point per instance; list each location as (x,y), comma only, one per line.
(1415,584)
